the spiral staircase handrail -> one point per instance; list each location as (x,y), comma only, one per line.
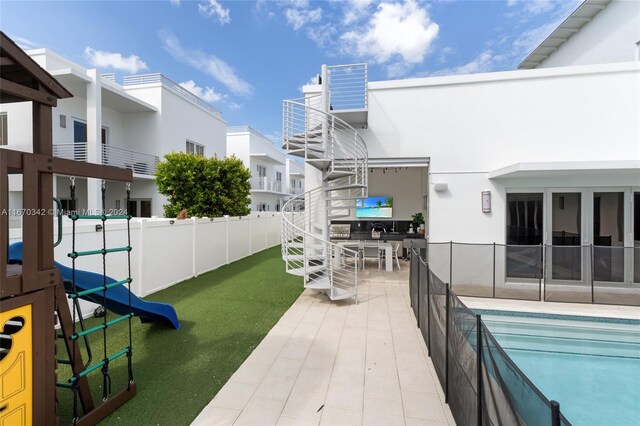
(339,151)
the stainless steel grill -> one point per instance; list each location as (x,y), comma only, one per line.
(342,232)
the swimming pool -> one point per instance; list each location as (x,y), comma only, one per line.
(591,366)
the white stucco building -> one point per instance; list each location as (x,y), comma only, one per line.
(274,177)
(548,154)
(128,125)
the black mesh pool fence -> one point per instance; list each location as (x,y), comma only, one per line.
(553,273)
(481,383)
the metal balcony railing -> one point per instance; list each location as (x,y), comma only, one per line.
(296,191)
(266,184)
(139,163)
(71,151)
(347,87)
(143,164)
(136,80)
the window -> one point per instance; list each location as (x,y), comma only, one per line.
(279,176)
(4,140)
(139,208)
(262,171)
(524,235)
(195,148)
(261,207)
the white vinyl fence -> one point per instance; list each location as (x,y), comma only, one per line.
(167,251)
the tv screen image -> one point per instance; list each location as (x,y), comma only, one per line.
(375,207)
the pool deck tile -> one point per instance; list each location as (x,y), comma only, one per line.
(328,363)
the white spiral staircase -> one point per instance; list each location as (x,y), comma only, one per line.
(336,149)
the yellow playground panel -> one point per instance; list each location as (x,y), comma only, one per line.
(16,367)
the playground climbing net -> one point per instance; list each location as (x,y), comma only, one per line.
(74,294)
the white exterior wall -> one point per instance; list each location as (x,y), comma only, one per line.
(471,125)
(250,147)
(143,131)
(612,36)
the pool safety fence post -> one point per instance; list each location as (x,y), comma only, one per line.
(592,268)
(450,264)
(418,287)
(446,344)
(479,367)
(544,273)
(428,310)
(541,274)
(555,413)
(494,270)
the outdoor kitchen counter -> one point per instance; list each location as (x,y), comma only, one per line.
(385,236)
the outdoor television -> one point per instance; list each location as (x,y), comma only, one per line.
(374,207)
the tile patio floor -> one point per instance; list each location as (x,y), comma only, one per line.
(339,363)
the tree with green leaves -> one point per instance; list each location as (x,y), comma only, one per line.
(210,187)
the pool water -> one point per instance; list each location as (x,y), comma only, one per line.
(591,366)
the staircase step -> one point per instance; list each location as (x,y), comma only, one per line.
(309,270)
(308,246)
(319,284)
(337,174)
(319,163)
(341,294)
(302,257)
(349,186)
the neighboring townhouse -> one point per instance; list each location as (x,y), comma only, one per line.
(546,156)
(130,125)
(274,177)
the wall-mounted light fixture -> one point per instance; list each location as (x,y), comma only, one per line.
(440,186)
(63,121)
(486,201)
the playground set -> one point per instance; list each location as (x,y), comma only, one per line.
(35,290)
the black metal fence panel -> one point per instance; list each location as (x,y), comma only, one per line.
(558,273)
(509,397)
(480,381)
(437,326)
(462,341)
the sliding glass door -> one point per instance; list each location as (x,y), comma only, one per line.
(524,235)
(608,227)
(566,254)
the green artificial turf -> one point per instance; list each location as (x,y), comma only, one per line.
(224,315)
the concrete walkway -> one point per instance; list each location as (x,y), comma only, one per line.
(338,364)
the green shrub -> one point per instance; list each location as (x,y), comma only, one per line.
(210,187)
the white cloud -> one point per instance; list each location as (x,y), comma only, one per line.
(355,10)
(213,9)
(234,106)
(324,35)
(207,63)
(208,93)
(486,61)
(103,59)
(175,3)
(396,29)
(25,44)
(533,7)
(298,18)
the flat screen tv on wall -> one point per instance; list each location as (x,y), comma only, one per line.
(374,207)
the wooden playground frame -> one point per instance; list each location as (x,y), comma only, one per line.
(37,281)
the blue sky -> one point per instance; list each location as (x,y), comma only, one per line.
(245,57)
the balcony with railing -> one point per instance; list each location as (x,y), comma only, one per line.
(296,191)
(139,163)
(137,80)
(347,90)
(266,184)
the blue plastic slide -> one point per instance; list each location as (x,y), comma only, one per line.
(117,297)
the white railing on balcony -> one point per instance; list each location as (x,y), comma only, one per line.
(109,76)
(143,164)
(347,87)
(139,163)
(266,184)
(296,191)
(136,80)
(71,151)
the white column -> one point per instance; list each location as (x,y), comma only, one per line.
(94,137)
